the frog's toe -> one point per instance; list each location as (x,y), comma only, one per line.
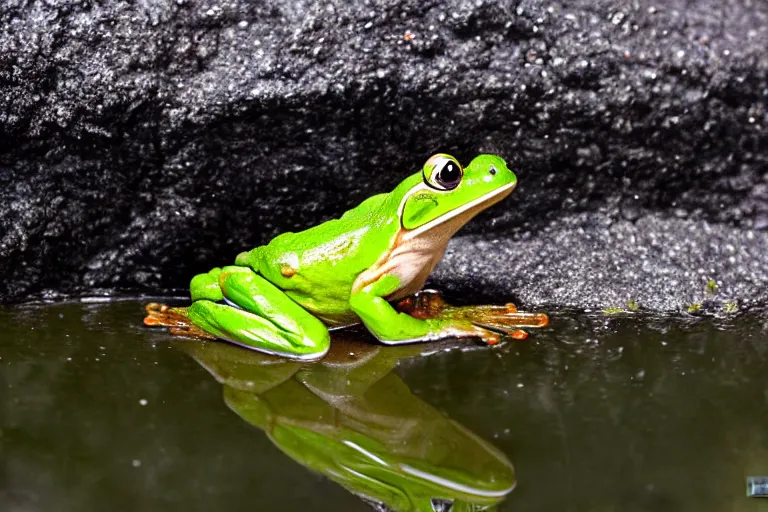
(191,331)
(158,315)
(175,319)
(504,318)
(518,334)
(155,307)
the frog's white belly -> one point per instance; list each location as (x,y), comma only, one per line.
(412,263)
(412,259)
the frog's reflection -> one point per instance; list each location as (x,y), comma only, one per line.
(352,419)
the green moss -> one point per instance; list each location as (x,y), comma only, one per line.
(694,308)
(612,310)
(711,287)
(730,307)
(633,305)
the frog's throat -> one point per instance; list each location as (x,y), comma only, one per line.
(464,213)
(414,253)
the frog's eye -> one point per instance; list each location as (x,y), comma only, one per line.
(442,172)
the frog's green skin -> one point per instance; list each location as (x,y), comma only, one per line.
(352,419)
(282,297)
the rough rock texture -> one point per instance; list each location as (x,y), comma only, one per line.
(592,260)
(142,141)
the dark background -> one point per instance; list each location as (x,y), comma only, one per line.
(141,142)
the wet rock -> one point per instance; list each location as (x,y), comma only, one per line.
(660,263)
(141,142)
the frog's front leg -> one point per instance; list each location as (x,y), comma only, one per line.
(392,328)
(258,314)
(504,319)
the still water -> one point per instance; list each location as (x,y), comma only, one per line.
(594,413)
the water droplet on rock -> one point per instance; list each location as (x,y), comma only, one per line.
(630,212)
(761,221)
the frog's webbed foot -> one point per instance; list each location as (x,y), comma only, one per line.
(488,320)
(504,319)
(175,319)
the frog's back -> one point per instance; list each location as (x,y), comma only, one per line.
(317,267)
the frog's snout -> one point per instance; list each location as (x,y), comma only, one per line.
(497,169)
(503,174)
(492,171)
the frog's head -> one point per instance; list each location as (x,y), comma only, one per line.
(449,195)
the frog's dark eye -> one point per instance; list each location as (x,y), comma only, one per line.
(442,172)
(449,175)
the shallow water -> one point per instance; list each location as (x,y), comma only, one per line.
(594,413)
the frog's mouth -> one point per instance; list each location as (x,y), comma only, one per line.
(460,216)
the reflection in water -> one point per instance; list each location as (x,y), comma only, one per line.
(625,413)
(350,418)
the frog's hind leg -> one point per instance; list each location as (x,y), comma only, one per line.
(175,319)
(261,316)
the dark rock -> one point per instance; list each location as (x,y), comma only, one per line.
(661,263)
(141,142)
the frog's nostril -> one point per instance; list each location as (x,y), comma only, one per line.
(492,170)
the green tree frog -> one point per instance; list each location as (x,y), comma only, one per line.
(282,298)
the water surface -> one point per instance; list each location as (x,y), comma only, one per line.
(594,413)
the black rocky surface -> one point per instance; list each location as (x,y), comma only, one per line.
(594,261)
(141,142)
